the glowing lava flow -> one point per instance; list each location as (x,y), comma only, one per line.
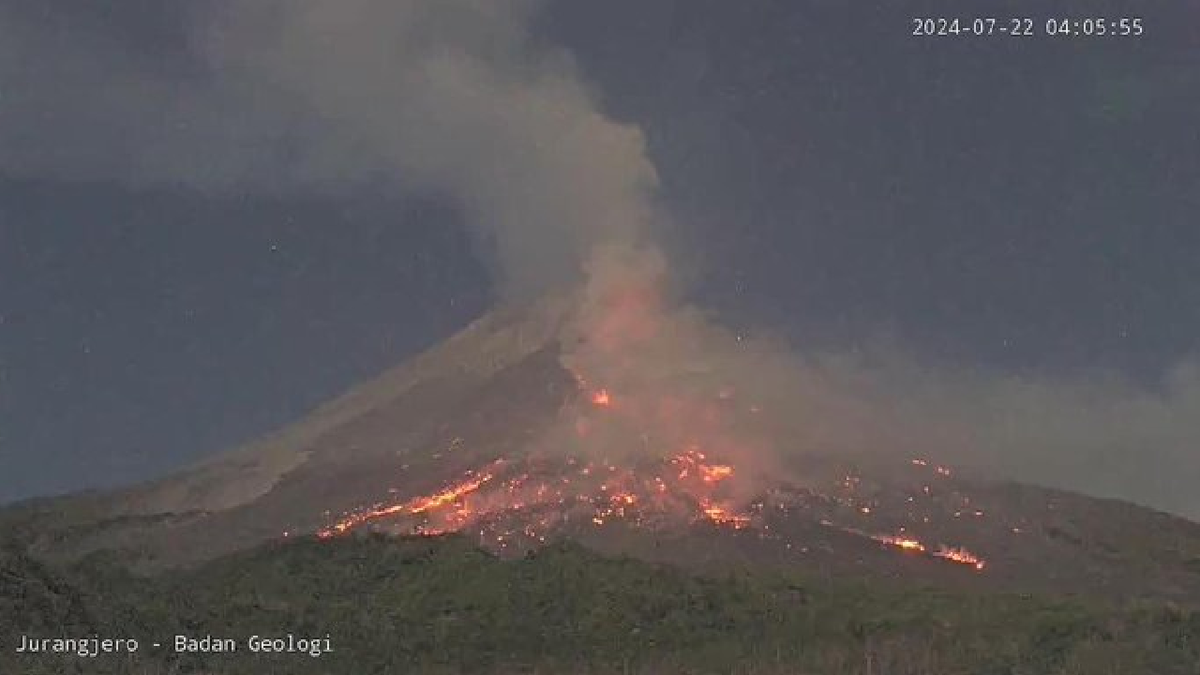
(449,495)
(526,502)
(519,503)
(418,505)
(900,542)
(951,554)
(715,474)
(960,555)
(543,497)
(720,515)
(957,555)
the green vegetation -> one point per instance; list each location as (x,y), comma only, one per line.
(441,606)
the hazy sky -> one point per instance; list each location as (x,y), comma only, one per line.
(189,257)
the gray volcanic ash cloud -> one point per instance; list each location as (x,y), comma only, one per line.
(450,98)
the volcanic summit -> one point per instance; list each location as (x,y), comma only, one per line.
(613,417)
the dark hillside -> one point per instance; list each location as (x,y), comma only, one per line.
(440,605)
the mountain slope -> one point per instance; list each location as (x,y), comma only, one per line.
(503,433)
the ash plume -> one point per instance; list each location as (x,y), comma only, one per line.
(452,98)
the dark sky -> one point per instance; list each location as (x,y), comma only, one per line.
(1022,204)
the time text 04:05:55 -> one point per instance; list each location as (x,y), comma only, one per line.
(1026,26)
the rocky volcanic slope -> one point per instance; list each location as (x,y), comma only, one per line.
(453,442)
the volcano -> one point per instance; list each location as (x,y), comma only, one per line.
(633,429)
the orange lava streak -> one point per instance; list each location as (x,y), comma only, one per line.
(951,554)
(448,495)
(900,542)
(602,398)
(960,555)
(720,515)
(716,472)
(350,522)
(413,506)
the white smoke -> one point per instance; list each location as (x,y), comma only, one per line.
(451,98)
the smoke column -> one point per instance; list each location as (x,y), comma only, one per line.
(450,98)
